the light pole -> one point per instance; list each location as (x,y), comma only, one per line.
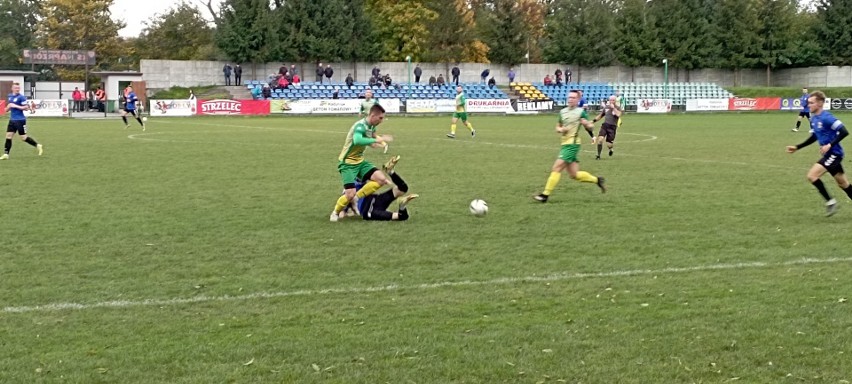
(408,90)
(666,78)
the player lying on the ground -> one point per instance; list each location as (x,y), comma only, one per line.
(375,206)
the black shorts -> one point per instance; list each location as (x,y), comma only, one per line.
(130,111)
(374,206)
(831,163)
(804,114)
(17,126)
(608,131)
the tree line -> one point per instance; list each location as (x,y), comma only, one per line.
(690,34)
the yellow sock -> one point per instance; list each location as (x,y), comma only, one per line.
(367,189)
(453,129)
(342,202)
(586,177)
(551,183)
(469,126)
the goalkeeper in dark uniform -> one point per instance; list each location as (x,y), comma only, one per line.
(375,206)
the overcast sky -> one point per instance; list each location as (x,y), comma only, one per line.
(135,12)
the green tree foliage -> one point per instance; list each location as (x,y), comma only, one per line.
(453,37)
(833,31)
(18,21)
(179,34)
(245,33)
(324,30)
(735,30)
(402,28)
(636,38)
(580,32)
(511,28)
(86,25)
(777,32)
(683,28)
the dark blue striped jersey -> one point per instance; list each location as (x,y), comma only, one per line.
(826,128)
(804,101)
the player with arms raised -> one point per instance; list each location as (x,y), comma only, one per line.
(18,122)
(460,113)
(570,119)
(828,132)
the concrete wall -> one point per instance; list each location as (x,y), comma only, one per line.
(113,91)
(167,73)
(51,89)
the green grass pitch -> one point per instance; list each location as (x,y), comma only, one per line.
(200,251)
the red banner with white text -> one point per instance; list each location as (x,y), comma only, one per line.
(233,107)
(755,104)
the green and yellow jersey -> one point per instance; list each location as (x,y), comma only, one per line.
(570,118)
(360,136)
(367,104)
(461,103)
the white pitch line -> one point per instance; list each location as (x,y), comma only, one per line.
(427,286)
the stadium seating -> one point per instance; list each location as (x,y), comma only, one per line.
(593,92)
(678,92)
(527,91)
(397,91)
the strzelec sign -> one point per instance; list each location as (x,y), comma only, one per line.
(55,56)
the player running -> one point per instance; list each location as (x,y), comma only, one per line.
(351,163)
(130,107)
(806,109)
(570,119)
(18,122)
(611,115)
(460,113)
(828,131)
(368,103)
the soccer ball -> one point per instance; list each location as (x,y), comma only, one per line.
(478,208)
(144,119)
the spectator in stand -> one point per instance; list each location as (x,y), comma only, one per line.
(547,80)
(492,82)
(282,70)
(432,81)
(417,73)
(267,92)
(558,76)
(320,72)
(226,70)
(441,81)
(376,72)
(297,81)
(238,74)
(511,75)
(336,93)
(568,75)
(374,82)
(283,83)
(388,81)
(484,75)
(349,81)
(256,92)
(456,73)
(78,97)
(329,72)
(293,71)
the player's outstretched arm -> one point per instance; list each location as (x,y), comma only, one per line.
(810,140)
